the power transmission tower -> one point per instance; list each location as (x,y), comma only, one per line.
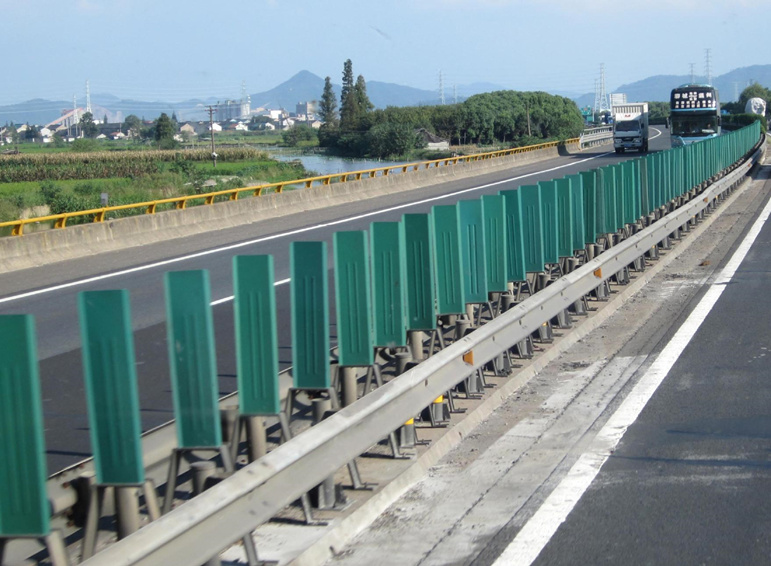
(708,65)
(601,102)
(88,97)
(455,94)
(211,109)
(693,76)
(441,88)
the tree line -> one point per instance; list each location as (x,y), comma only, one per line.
(503,117)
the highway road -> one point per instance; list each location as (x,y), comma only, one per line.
(49,292)
(646,442)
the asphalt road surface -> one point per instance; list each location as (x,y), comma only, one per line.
(50,292)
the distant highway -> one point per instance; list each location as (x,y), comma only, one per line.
(49,292)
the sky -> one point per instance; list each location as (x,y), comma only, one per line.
(175,50)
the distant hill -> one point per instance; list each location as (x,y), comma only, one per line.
(306,86)
(658,88)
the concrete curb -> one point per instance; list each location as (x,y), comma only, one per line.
(47,246)
(347,528)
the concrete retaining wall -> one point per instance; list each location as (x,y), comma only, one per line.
(39,248)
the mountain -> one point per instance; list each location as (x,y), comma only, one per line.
(659,87)
(306,86)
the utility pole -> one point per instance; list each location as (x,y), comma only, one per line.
(210,109)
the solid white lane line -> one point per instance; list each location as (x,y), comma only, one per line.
(171,261)
(230,298)
(538,531)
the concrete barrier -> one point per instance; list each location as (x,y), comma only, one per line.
(48,246)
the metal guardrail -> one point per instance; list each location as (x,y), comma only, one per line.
(593,136)
(181,202)
(232,509)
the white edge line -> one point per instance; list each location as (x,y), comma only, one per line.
(538,531)
(102,277)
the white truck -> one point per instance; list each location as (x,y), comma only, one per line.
(630,126)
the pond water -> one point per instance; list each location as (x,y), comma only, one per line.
(328,165)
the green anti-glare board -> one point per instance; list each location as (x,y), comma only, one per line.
(353,299)
(515,245)
(495,242)
(389,314)
(591,230)
(254,310)
(111,386)
(449,275)
(472,238)
(23,499)
(549,221)
(579,229)
(419,259)
(564,217)
(310,314)
(192,359)
(531,228)
(621,195)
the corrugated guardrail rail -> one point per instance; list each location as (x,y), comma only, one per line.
(181,202)
(557,242)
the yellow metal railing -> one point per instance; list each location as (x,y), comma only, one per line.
(181,202)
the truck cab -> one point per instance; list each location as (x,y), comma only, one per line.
(630,127)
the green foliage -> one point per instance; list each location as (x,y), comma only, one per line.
(165,131)
(297,134)
(49,191)
(84,145)
(348,112)
(738,121)
(507,117)
(658,112)
(328,105)
(133,125)
(87,125)
(104,164)
(754,91)
(392,139)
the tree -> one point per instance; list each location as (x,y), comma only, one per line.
(347,99)
(298,133)
(165,131)
(32,133)
(133,125)
(328,105)
(392,140)
(104,120)
(754,91)
(87,125)
(363,103)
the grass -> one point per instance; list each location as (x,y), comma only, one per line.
(171,180)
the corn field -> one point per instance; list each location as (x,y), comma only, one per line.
(103,164)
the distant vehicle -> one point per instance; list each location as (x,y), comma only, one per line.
(755,106)
(694,114)
(630,126)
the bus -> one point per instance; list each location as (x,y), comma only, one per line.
(694,114)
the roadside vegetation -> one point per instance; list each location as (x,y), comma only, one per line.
(39,184)
(502,119)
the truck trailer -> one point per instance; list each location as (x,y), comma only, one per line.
(630,126)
